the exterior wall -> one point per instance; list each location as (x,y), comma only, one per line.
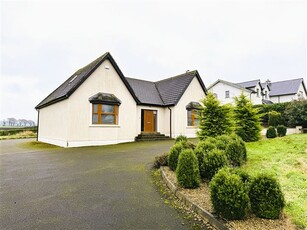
(53,124)
(257,100)
(194,92)
(266,89)
(81,132)
(220,88)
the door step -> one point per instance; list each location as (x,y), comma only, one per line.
(151,137)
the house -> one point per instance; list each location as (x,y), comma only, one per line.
(285,91)
(226,91)
(98,105)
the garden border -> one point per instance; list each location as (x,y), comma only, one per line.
(202,212)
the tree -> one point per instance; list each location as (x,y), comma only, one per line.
(296,113)
(215,119)
(275,119)
(247,119)
(12,121)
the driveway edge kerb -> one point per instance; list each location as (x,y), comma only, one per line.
(202,212)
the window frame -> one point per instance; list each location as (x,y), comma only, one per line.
(193,117)
(100,113)
(227,94)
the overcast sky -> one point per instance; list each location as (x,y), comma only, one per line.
(44,43)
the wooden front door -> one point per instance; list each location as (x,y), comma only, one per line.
(149,121)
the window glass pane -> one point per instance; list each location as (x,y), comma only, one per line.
(95,119)
(95,108)
(189,118)
(107,119)
(196,121)
(108,108)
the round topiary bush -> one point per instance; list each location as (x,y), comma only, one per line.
(174,152)
(281,130)
(181,138)
(236,152)
(213,161)
(222,141)
(201,150)
(266,197)
(271,132)
(229,195)
(187,171)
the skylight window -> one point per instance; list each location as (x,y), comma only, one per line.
(73,78)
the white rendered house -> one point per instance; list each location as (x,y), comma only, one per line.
(98,105)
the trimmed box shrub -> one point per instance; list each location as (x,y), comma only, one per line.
(271,132)
(281,130)
(236,152)
(202,149)
(229,195)
(187,171)
(181,138)
(213,161)
(174,154)
(275,119)
(222,141)
(266,197)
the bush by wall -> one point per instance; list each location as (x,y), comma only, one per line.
(266,197)
(236,152)
(187,171)
(265,109)
(271,132)
(229,195)
(213,161)
(281,130)
(275,119)
(296,113)
(174,152)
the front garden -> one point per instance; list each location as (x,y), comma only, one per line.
(237,176)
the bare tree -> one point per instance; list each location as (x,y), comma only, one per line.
(31,123)
(12,121)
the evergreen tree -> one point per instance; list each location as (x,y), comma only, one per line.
(247,119)
(215,119)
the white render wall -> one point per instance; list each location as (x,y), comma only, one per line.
(53,124)
(195,93)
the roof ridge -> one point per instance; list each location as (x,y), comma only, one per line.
(288,80)
(139,79)
(180,75)
(248,81)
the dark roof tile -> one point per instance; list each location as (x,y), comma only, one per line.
(287,87)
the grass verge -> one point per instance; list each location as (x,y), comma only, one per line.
(38,145)
(286,158)
(19,135)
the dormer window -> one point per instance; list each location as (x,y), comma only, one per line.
(104,109)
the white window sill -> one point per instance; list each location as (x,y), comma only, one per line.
(191,127)
(104,126)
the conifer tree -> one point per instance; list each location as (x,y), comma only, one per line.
(215,119)
(247,119)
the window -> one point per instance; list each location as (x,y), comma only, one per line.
(193,119)
(258,93)
(227,94)
(266,95)
(104,114)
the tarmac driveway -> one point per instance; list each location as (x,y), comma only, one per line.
(107,187)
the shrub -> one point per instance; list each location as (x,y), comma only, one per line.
(271,132)
(266,197)
(161,160)
(236,152)
(213,161)
(265,109)
(281,130)
(202,149)
(187,171)
(275,118)
(174,154)
(296,113)
(222,141)
(229,195)
(181,138)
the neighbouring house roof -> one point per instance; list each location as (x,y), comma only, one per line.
(230,84)
(287,87)
(161,93)
(249,84)
(105,98)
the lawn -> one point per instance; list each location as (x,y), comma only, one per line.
(286,158)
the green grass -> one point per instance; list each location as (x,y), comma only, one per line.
(286,158)
(38,145)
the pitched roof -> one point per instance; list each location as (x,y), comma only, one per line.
(249,84)
(72,83)
(162,93)
(166,92)
(230,84)
(287,87)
